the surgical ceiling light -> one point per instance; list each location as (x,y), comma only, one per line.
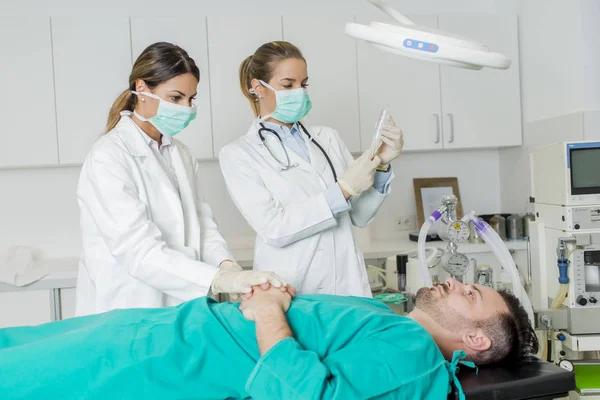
(410,40)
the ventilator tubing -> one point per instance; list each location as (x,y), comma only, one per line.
(497,245)
(421,248)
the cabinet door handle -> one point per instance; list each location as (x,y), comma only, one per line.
(437,128)
(451,120)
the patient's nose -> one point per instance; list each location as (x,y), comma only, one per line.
(454,285)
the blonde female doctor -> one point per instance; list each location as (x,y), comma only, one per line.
(149,239)
(298,186)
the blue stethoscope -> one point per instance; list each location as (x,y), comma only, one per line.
(288,165)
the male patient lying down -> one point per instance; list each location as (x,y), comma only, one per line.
(311,347)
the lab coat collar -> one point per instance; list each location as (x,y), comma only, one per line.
(132,136)
(138,146)
(252,134)
(317,164)
(317,158)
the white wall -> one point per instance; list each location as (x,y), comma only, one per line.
(231,7)
(591,125)
(38,206)
(551,56)
(515,179)
(590,16)
(560,85)
(478,181)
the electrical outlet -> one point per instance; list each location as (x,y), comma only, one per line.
(407,222)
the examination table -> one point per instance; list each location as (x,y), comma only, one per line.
(532,378)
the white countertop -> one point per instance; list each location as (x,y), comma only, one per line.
(64,270)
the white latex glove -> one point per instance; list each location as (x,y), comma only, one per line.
(235,267)
(393,141)
(227,280)
(360,174)
(230,266)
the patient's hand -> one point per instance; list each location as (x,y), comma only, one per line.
(267,286)
(265,302)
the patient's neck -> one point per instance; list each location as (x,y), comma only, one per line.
(447,341)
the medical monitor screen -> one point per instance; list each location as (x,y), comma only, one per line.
(585,171)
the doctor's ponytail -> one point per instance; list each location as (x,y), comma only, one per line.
(157,64)
(245,79)
(261,64)
(125,101)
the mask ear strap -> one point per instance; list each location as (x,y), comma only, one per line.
(263,119)
(138,116)
(148,94)
(265,84)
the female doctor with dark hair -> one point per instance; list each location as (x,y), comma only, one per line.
(149,239)
(299,187)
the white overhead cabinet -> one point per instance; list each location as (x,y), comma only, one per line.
(230,40)
(440,106)
(190,34)
(331,60)
(53,116)
(408,88)
(92,63)
(482,108)
(27,107)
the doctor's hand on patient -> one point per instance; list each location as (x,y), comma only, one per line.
(230,278)
(359,175)
(393,141)
(264,302)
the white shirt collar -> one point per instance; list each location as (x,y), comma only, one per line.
(165,140)
(281,128)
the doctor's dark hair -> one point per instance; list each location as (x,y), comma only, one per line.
(511,334)
(261,64)
(157,64)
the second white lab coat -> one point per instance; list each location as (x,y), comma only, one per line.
(145,244)
(298,237)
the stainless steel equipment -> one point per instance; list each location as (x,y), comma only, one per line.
(514,227)
(498,223)
(474,236)
(453,231)
(484,275)
(527,220)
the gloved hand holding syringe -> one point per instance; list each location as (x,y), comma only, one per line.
(386,146)
(388,139)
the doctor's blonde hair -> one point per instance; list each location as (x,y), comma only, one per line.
(261,64)
(157,64)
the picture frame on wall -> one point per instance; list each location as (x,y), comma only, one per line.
(428,195)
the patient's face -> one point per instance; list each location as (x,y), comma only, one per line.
(455,306)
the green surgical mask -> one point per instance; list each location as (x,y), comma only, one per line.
(292,105)
(170,118)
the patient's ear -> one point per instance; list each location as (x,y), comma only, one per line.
(476,340)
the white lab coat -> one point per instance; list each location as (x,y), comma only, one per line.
(297,235)
(144,244)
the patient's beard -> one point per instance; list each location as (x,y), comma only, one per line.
(438,310)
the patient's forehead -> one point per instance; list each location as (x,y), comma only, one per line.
(492,300)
